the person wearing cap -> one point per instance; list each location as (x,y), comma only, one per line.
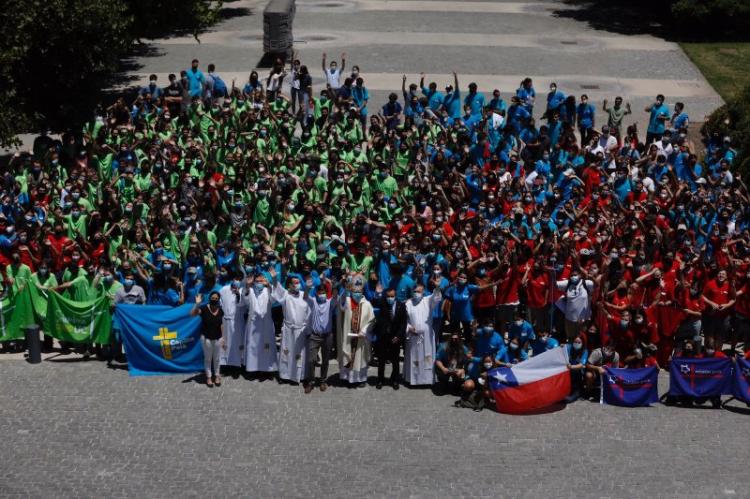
(261,355)
(212,334)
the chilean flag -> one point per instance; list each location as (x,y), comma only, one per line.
(533,384)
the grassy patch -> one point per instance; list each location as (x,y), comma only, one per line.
(726,66)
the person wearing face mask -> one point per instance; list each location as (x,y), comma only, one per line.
(451,363)
(355,324)
(212,335)
(320,340)
(521,329)
(234,324)
(642,355)
(44,280)
(487,341)
(260,351)
(575,303)
(719,297)
(578,356)
(600,358)
(542,343)
(475,389)
(296,323)
(390,334)
(18,273)
(511,354)
(693,306)
(420,348)
(458,305)
(741,327)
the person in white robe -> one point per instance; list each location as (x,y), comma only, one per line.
(234,326)
(261,354)
(356,320)
(419,348)
(294,330)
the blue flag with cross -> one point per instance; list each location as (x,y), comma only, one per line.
(159,339)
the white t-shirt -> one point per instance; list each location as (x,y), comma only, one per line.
(333,78)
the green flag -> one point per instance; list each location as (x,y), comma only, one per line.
(78,321)
(17,313)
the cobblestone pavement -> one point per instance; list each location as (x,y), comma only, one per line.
(75,428)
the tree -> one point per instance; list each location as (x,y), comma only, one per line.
(55,57)
(733,120)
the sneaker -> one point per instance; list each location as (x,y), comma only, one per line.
(323,386)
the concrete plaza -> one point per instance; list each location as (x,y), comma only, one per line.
(74,428)
(494,43)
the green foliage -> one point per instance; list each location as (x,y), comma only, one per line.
(158,19)
(733,119)
(712,19)
(56,56)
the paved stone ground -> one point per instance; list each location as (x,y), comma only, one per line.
(75,428)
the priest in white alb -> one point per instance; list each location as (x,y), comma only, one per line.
(261,354)
(294,330)
(419,348)
(234,325)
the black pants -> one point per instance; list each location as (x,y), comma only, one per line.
(387,351)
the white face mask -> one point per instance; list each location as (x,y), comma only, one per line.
(488,365)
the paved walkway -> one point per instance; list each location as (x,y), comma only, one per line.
(78,429)
(495,44)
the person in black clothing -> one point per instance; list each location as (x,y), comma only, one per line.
(212,332)
(390,328)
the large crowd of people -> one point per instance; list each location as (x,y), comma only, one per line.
(447,226)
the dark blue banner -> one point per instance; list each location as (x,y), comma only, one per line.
(630,387)
(700,377)
(741,388)
(160,339)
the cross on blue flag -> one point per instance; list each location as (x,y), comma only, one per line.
(630,387)
(741,388)
(700,377)
(160,339)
